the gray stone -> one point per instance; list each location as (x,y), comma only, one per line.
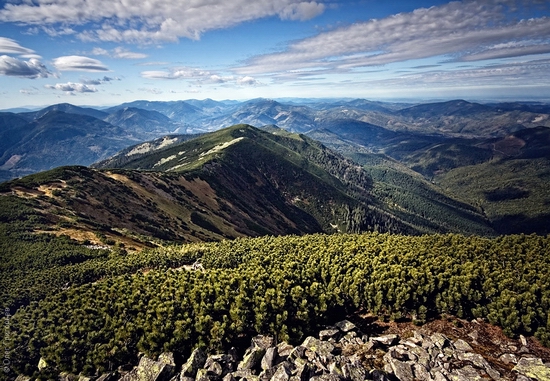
(193,364)
(474,358)
(215,368)
(242,373)
(331,333)
(523,340)
(297,353)
(420,372)
(461,345)
(205,375)
(262,342)
(220,364)
(423,357)
(283,350)
(354,372)
(268,361)
(283,373)
(508,358)
(439,376)
(533,368)
(229,377)
(386,340)
(252,358)
(524,349)
(66,376)
(521,377)
(303,372)
(378,375)
(323,349)
(345,326)
(151,370)
(468,373)
(440,340)
(326,377)
(401,369)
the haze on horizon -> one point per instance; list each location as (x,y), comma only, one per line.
(106,52)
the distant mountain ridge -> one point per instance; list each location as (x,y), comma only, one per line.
(238,181)
(433,139)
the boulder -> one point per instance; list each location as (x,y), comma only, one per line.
(268,361)
(533,368)
(385,340)
(252,358)
(151,370)
(345,326)
(194,363)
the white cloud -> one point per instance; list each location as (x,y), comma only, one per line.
(118,52)
(151,90)
(153,20)
(459,30)
(99,81)
(9,46)
(14,67)
(177,73)
(71,87)
(78,63)
(29,91)
(247,81)
(199,77)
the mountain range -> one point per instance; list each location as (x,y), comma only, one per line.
(342,165)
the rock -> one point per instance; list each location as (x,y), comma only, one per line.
(283,373)
(262,342)
(508,358)
(242,373)
(468,373)
(325,377)
(151,370)
(474,358)
(193,364)
(378,375)
(323,349)
(345,326)
(297,353)
(533,368)
(215,368)
(331,333)
(523,340)
(386,340)
(22,377)
(461,345)
(205,375)
(229,377)
(354,372)
(42,364)
(252,358)
(440,340)
(220,364)
(420,372)
(66,376)
(283,350)
(268,361)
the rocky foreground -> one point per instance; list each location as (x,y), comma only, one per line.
(344,353)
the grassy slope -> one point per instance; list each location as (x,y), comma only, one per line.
(513,193)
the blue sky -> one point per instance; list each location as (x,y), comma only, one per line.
(106,52)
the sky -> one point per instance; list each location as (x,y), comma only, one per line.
(106,52)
